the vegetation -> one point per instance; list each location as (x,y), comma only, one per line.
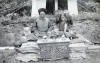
(11,6)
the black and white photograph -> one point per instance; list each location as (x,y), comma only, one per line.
(49,31)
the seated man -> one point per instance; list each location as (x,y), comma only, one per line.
(42,24)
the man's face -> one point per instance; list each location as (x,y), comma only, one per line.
(42,14)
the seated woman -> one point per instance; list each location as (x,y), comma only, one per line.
(61,24)
(69,19)
(42,24)
(64,22)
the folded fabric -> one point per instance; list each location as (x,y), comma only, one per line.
(30,52)
(29,47)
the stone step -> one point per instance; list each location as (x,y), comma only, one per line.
(77,45)
(8,47)
(93,48)
(80,50)
(78,55)
(90,47)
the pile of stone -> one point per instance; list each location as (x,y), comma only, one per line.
(78,49)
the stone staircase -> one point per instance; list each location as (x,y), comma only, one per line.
(77,50)
(78,47)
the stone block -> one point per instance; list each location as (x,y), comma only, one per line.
(78,55)
(76,45)
(78,50)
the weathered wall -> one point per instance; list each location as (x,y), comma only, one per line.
(36,4)
(72,7)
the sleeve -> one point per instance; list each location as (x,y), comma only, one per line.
(56,27)
(50,25)
(34,26)
(71,21)
(65,27)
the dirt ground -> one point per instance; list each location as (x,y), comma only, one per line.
(93,56)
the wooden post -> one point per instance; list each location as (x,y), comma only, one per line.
(56,4)
(72,7)
(34,9)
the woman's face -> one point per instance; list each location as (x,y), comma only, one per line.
(66,12)
(63,18)
(42,14)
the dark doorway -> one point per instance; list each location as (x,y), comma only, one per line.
(62,4)
(50,6)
